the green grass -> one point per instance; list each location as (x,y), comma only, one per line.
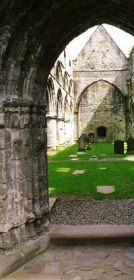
(118,174)
(97,149)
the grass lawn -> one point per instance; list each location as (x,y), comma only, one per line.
(97,149)
(118,174)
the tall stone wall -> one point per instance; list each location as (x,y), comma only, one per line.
(101,62)
(102,105)
(59,107)
(130,97)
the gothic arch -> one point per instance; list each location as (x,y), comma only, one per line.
(102,105)
(66,108)
(51,97)
(59,111)
(79,97)
(59,73)
(70,87)
(65,81)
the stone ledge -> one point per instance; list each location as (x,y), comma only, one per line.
(15,259)
(66,234)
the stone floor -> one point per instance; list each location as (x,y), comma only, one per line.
(92,262)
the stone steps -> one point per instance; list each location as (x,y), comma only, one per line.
(85,234)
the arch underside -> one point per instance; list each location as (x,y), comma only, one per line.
(33,30)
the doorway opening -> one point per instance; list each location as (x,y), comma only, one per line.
(102,132)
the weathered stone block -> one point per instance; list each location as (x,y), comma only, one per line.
(2,139)
(3,191)
(24,121)
(2,120)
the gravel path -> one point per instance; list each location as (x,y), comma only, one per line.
(89,211)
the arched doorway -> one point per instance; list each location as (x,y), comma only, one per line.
(102,132)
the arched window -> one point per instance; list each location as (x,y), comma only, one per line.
(50,96)
(59,103)
(102,132)
(59,74)
(65,82)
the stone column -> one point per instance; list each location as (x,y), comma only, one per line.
(51,132)
(60,132)
(75,127)
(68,132)
(23,170)
(129,116)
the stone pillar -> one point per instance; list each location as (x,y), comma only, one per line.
(68,132)
(23,170)
(51,132)
(60,132)
(75,128)
(130,116)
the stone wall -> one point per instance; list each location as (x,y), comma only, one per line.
(102,105)
(130,97)
(59,107)
(100,69)
(23,171)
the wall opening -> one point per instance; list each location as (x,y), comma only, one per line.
(102,132)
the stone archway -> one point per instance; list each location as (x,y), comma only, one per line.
(101,111)
(30,32)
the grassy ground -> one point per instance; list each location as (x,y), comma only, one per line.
(118,174)
(97,149)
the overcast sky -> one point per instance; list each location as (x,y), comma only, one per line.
(124,40)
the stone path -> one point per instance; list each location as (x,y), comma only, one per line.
(94,262)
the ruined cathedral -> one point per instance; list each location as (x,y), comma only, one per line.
(91,94)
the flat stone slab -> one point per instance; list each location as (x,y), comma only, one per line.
(93,158)
(72,156)
(80,153)
(105,189)
(103,168)
(74,159)
(78,172)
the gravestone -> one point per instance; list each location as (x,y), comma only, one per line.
(130,145)
(119,147)
(91,137)
(81,143)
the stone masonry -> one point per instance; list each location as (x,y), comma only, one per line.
(100,87)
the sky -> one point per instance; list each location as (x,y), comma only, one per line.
(124,40)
